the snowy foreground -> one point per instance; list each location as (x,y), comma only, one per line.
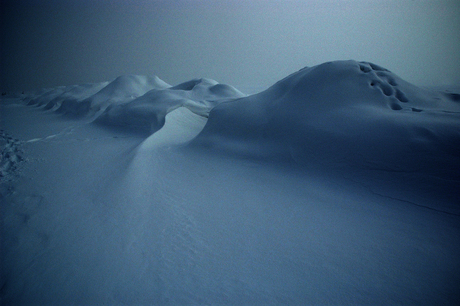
(337,185)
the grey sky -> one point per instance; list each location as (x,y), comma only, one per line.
(46,43)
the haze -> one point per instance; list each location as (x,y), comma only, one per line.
(242,43)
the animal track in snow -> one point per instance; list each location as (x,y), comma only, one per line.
(401,96)
(386,88)
(453,96)
(395,106)
(383,80)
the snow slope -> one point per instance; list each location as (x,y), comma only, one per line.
(337,185)
(355,117)
(146,114)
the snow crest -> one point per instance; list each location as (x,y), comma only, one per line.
(348,113)
(344,112)
(337,185)
(146,114)
(135,103)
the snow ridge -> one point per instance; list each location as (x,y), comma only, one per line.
(146,114)
(336,185)
(135,103)
(356,113)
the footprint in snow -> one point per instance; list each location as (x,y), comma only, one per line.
(10,156)
(387,84)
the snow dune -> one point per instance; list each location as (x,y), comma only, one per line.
(355,117)
(146,114)
(336,185)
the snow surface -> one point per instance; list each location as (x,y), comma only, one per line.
(337,185)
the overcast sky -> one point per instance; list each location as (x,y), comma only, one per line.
(45,43)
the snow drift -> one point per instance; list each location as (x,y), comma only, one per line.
(336,185)
(135,103)
(353,113)
(146,114)
(348,116)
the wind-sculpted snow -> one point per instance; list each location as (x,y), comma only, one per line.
(91,99)
(345,112)
(133,103)
(66,99)
(337,185)
(122,90)
(146,114)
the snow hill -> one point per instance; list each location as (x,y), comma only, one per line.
(336,185)
(350,116)
(347,112)
(146,114)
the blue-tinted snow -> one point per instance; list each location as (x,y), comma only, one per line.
(337,185)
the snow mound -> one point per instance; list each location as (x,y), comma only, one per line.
(349,195)
(133,103)
(123,89)
(342,113)
(181,125)
(73,95)
(44,96)
(146,114)
(92,99)
(67,102)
